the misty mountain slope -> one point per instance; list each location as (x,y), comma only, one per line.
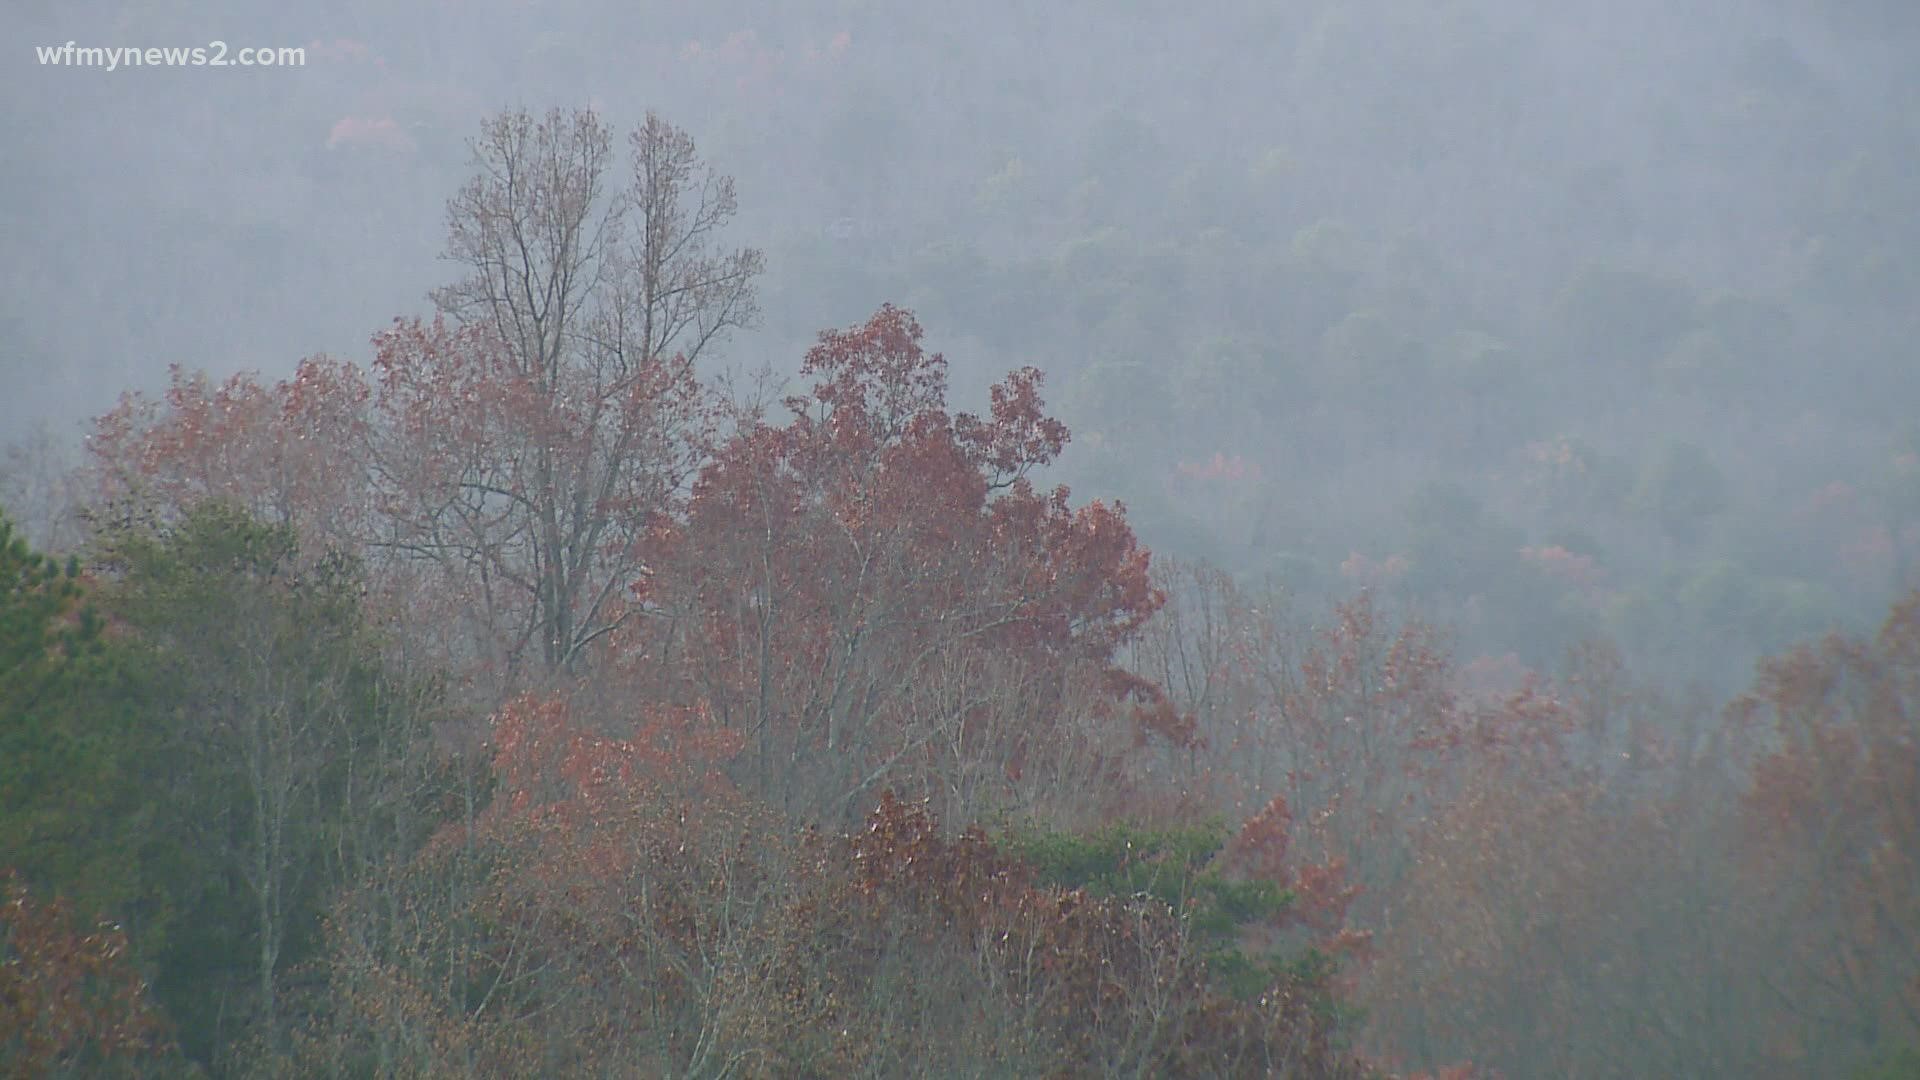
(1366,248)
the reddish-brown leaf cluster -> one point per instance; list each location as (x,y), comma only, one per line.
(874,591)
(291,452)
(1833,827)
(1260,851)
(1117,979)
(70,998)
(607,924)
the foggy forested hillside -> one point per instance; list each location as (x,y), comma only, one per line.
(1456,404)
(1390,256)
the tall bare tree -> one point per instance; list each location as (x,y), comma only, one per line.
(548,420)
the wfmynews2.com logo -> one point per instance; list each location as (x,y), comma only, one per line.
(212,54)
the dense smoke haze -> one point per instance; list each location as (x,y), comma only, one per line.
(1517,350)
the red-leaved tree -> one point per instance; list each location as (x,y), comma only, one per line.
(1833,836)
(875,593)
